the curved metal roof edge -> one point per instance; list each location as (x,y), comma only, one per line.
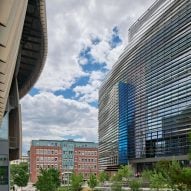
(36,73)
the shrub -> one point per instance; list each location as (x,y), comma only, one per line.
(135,184)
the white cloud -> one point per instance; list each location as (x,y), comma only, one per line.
(46,116)
(71,25)
(89,92)
(100,52)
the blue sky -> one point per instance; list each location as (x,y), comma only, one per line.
(85,38)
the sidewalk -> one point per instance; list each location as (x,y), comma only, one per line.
(29,187)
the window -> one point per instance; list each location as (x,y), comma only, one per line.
(4,175)
(4,127)
(3,159)
(45,151)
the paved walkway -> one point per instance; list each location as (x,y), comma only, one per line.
(29,187)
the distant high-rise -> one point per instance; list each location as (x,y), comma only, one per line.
(145,101)
(23,49)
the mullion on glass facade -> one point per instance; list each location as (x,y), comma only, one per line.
(158,67)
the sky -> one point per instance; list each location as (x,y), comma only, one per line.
(85,38)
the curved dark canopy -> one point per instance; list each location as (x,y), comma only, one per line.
(33,49)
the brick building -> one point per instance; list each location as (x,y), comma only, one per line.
(44,157)
(86,161)
(67,149)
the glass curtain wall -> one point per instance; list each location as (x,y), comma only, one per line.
(158,67)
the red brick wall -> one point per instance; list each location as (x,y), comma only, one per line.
(86,161)
(44,157)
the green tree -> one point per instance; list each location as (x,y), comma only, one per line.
(48,180)
(103,176)
(92,182)
(170,174)
(185,177)
(76,182)
(135,184)
(19,174)
(123,173)
(157,180)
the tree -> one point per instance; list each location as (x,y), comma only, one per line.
(135,184)
(92,182)
(184,179)
(123,173)
(19,174)
(170,174)
(156,179)
(103,176)
(76,182)
(48,180)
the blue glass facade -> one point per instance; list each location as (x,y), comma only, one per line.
(126,120)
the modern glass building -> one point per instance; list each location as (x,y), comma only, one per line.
(23,49)
(145,101)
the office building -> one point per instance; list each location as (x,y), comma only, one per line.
(23,49)
(43,157)
(67,148)
(86,161)
(145,101)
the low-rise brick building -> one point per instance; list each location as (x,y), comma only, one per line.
(86,161)
(44,157)
(68,150)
